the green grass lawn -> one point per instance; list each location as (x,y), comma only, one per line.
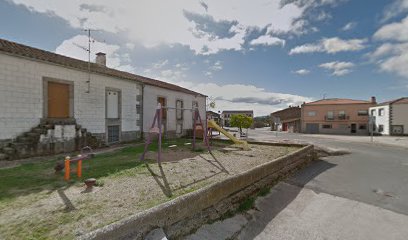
(38,176)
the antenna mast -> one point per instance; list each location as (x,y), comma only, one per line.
(88,30)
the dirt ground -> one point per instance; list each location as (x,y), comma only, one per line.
(72,211)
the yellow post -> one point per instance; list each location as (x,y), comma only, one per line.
(67,168)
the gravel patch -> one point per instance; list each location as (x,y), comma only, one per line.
(71,211)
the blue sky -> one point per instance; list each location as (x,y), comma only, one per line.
(261,55)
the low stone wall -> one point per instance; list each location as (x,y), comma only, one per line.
(188,212)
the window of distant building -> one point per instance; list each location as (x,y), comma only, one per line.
(342,115)
(330,115)
(362,113)
(311,113)
(381,112)
(372,112)
(380,128)
(327,126)
(362,126)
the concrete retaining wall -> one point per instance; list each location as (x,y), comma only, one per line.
(188,212)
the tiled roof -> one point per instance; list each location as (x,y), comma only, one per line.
(46,56)
(403,100)
(288,113)
(335,101)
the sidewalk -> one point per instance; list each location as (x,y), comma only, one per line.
(384,140)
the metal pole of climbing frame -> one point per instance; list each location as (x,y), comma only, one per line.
(194,128)
(160,133)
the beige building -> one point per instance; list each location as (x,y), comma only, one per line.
(336,116)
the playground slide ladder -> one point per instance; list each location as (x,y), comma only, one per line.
(213,124)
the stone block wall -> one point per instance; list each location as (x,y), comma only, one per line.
(188,212)
(22,96)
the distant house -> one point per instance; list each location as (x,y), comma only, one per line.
(336,116)
(289,119)
(391,118)
(226,115)
(211,115)
(51,103)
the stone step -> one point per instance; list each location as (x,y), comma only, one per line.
(23,139)
(39,130)
(3,157)
(33,135)
(48,126)
(9,150)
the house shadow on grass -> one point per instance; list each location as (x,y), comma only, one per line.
(281,196)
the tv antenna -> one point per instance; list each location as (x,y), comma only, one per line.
(88,49)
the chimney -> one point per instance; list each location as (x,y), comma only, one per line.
(373,100)
(101,59)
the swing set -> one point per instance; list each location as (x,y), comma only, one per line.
(157,129)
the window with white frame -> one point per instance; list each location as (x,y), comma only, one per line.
(381,112)
(311,113)
(112,104)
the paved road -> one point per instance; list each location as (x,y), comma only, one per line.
(361,195)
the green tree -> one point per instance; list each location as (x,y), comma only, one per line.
(241,121)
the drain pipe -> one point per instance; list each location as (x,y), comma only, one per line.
(141,113)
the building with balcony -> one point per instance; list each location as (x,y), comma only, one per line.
(336,116)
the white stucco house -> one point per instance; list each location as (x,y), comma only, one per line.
(51,103)
(178,104)
(391,118)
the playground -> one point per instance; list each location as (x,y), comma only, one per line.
(36,203)
(65,197)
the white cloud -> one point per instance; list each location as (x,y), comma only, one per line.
(397,31)
(268,41)
(392,58)
(302,72)
(155,22)
(331,45)
(241,97)
(233,96)
(76,46)
(160,64)
(349,26)
(394,9)
(217,66)
(392,55)
(338,68)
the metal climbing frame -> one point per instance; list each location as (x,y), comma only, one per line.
(158,130)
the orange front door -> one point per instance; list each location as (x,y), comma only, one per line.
(58,100)
(162,102)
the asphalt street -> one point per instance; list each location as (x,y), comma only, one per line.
(359,195)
